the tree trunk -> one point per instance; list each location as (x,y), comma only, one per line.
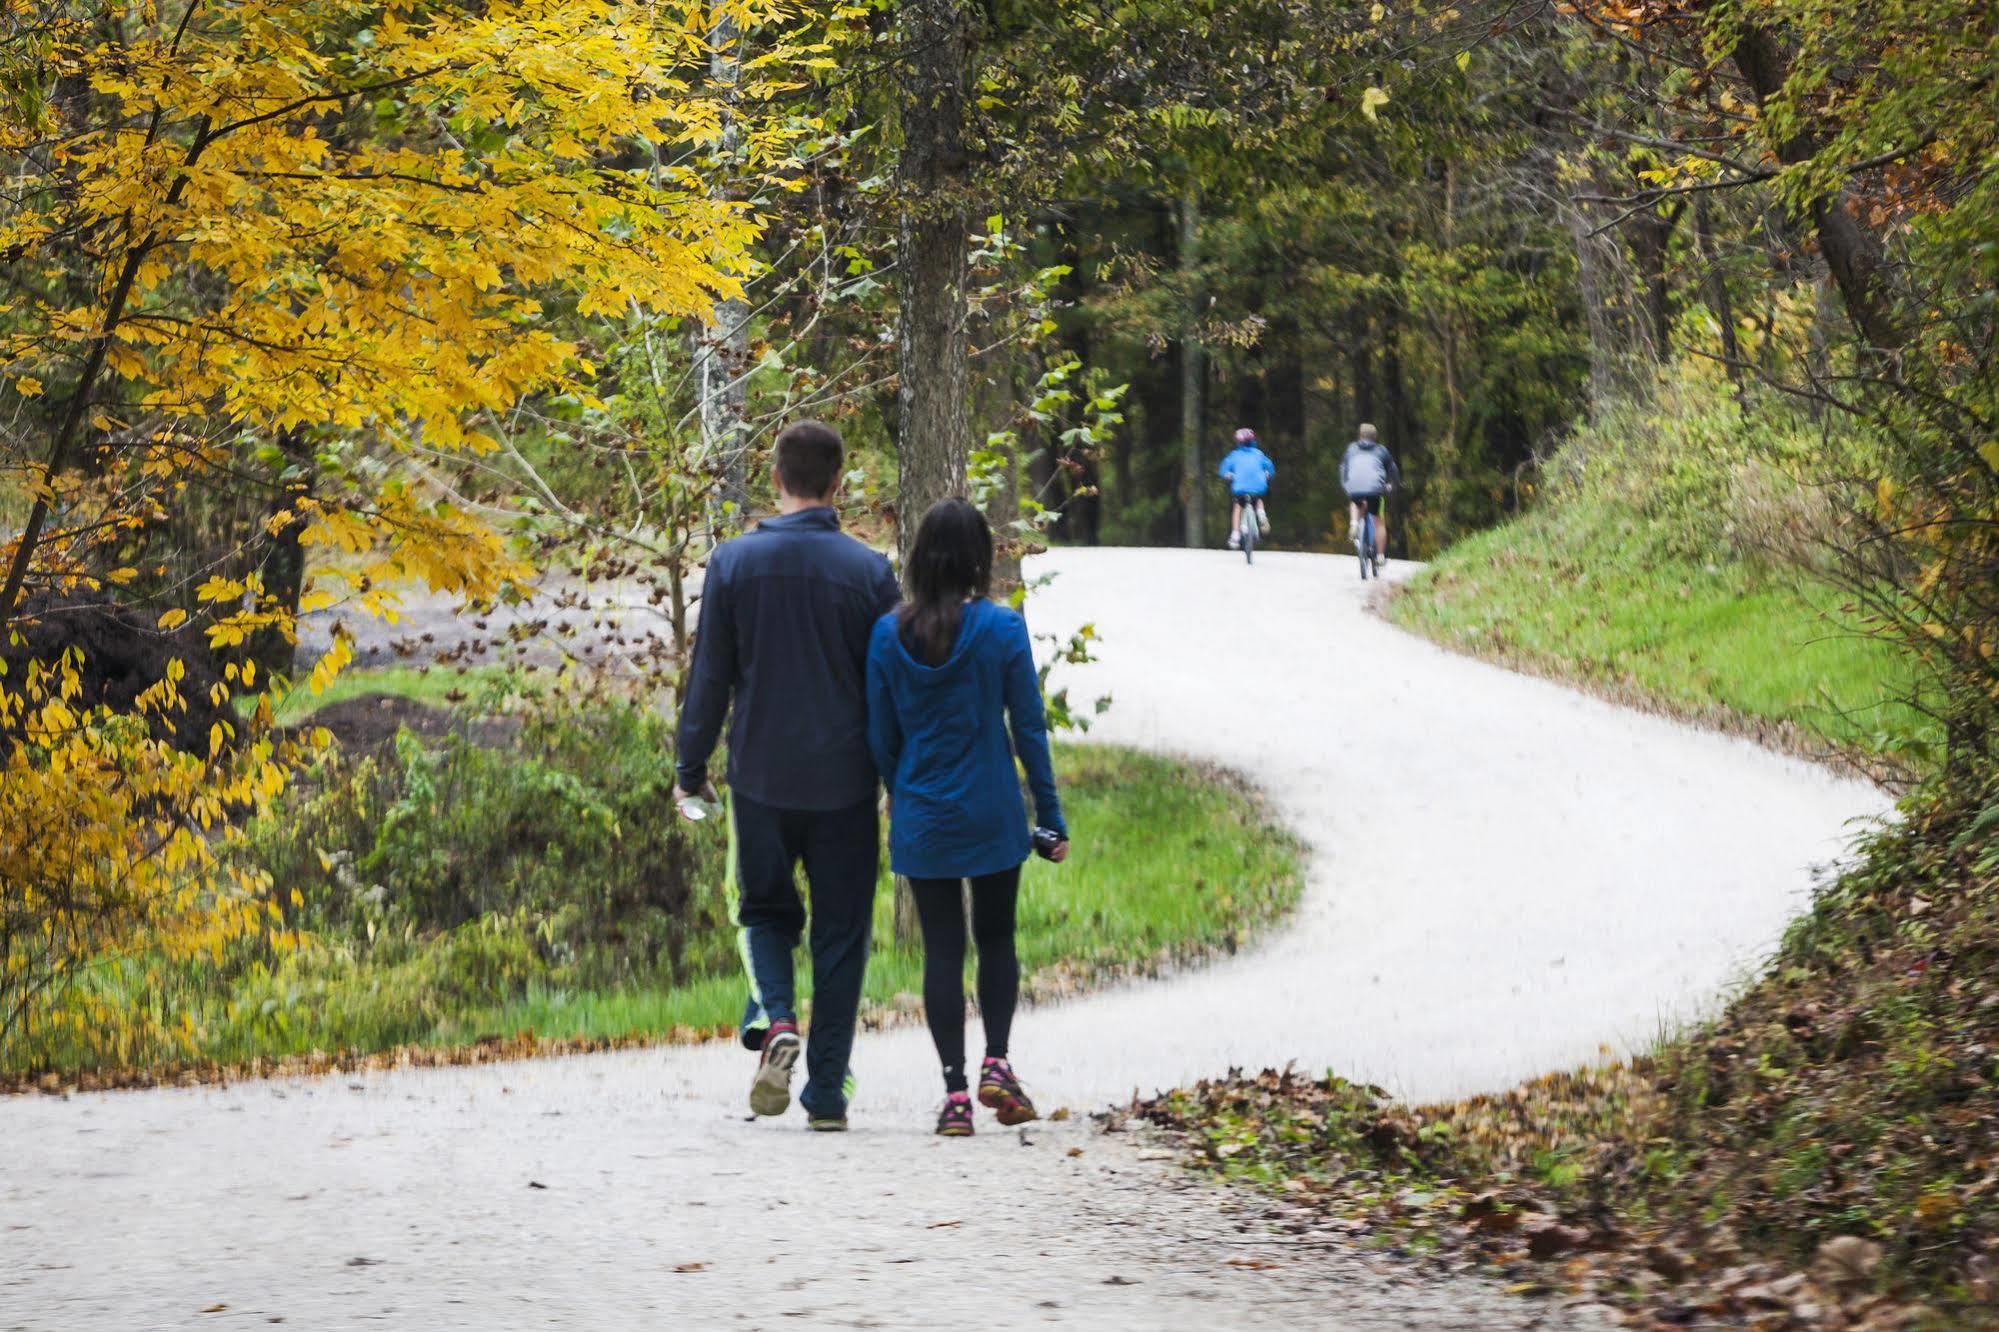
(1360,362)
(1591,279)
(934,428)
(934,436)
(1447,340)
(1192,368)
(1284,385)
(1717,292)
(721,349)
(1399,417)
(994,393)
(282,558)
(1852,252)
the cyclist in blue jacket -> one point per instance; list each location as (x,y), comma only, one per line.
(1248,470)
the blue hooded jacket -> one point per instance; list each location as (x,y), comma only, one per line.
(939,736)
(1248,470)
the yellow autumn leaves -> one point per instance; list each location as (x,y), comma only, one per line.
(329,219)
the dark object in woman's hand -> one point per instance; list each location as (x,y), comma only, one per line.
(1049,844)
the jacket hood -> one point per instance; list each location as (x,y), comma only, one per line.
(976,622)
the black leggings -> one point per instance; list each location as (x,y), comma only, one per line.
(940,906)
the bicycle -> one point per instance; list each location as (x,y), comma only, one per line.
(1247,531)
(1363,540)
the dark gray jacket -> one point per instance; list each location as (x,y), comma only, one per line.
(1367,468)
(785,616)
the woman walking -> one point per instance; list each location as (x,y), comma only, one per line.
(947,673)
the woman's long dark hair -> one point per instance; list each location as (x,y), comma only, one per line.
(951,560)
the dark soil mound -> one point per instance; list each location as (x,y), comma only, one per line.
(124,653)
(369,723)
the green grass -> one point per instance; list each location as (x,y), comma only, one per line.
(1170,863)
(1582,592)
(434,685)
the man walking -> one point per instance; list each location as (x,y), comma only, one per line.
(786,613)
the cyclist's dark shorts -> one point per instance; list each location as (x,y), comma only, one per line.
(1244,498)
(1368,503)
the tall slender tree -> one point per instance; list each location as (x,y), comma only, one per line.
(934,427)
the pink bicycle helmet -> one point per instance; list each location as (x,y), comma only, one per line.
(1245,436)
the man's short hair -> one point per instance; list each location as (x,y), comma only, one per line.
(809,459)
(1367,432)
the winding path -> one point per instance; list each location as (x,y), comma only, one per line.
(1506,876)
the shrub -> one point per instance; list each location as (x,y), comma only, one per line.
(569,829)
(1704,477)
(393,992)
(108,859)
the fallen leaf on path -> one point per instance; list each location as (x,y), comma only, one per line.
(1115,1280)
(1848,1258)
(1075,1151)
(940,1225)
(1551,1238)
(536,1184)
(215,1308)
(1059,1115)
(690,1267)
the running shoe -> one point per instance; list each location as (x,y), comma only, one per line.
(1235,539)
(1001,1091)
(955,1119)
(770,1090)
(827,1123)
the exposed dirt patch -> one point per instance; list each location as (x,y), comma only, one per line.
(369,723)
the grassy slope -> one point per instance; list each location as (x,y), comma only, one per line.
(437,686)
(1581,593)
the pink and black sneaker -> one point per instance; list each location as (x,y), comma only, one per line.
(770,1090)
(1001,1091)
(955,1119)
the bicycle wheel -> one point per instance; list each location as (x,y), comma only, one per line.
(1249,537)
(1363,545)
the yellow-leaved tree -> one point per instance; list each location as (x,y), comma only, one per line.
(229,223)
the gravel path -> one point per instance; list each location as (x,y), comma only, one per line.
(1506,877)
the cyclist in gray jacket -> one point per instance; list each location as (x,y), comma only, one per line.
(1368,472)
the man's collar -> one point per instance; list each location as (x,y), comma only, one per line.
(819,515)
